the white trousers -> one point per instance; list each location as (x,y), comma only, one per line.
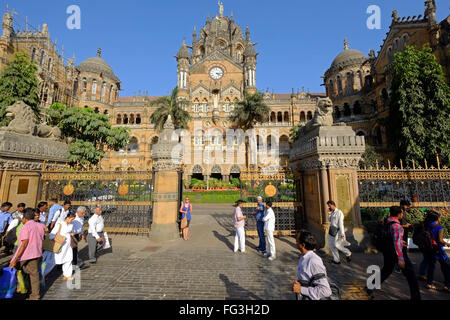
(271,244)
(67,269)
(239,239)
(337,245)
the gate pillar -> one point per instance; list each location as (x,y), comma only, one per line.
(327,156)
(166,187)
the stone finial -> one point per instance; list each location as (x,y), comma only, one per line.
(247,34)
(99,52)
(169,124)
(372,54)
(345,44)
(395,15)
(221,8)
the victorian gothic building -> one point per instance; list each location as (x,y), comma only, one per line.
(212,74)
(359,85)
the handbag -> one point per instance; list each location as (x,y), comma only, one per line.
(184,223)
(53,246)
(333,231)
(21,286)
(8,282)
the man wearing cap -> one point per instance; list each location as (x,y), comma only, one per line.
(239,224)
(260,208)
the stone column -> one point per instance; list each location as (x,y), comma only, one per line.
(328,155)
(166,187)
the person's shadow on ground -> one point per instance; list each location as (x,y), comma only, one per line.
(224,239)
(235,291)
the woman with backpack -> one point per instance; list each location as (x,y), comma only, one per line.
(432,224)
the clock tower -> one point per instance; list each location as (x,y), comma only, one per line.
(216,69)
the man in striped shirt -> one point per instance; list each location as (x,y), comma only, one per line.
(397,254)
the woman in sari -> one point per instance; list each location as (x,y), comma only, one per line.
(65,256)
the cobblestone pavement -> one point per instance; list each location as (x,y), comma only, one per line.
(206,268)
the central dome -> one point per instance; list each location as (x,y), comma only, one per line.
(98,65)
(347,58)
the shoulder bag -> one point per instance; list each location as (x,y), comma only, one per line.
(53,246)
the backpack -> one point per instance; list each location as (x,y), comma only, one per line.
(423,237)
(335,290)
(382,238)
(11,237)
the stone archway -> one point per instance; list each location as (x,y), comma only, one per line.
(216,172)
(197,173)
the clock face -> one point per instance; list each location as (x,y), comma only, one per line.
(216,73)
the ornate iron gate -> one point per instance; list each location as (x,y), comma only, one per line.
(125,197)
(283,191)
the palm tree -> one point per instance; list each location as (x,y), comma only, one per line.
(249,112)
(170,105)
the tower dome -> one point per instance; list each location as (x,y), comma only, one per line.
(98,65)
(347,58)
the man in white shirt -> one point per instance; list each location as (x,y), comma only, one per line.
(239,224)
(310,265)
(95,233)
(269,227)
(336,234)
(61,214)
(78,231)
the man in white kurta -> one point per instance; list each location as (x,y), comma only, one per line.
(269,227)
(65,257)
(337,241)
(95,233)
(239,224)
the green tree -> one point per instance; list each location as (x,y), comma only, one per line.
(89,134)
(418,127)
(249,112)
(18,82)
(170,105)
(370,157)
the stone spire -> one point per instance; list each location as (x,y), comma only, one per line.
(221,9)
(183,52)
(99,52)
(194,35)
(247,34)
(430,11)
(169,123)
(345,44)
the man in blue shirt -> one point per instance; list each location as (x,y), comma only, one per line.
(5,216)
(54,206)
(260,209)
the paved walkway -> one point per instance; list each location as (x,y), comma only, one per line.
(206,268)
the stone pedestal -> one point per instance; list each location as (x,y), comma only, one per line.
(21,159)
(166,187)
(328,157)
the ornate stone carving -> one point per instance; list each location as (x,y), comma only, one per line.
(165,157)
(23,122)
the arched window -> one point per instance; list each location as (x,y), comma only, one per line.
(339,85)
(309,116)
(337,113)
(133,145)
(284,145)
(110,94)
(360,133)
(347,110)
(286,117)
(33,54)
(259,143)
(349,83)
(103,89)
(269,142)
(132,119)
(357,108)
(94,87)
(119,119)
(279,117)
(302,117)
(84,85)
(41,60)
(125,119)
(105,112)
(273,117)
(378,136)
(49,64)
(138,119)
(358,80)
(385,97)
(96,110)
(368,82)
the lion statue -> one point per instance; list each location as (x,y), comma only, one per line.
(24,122)
(323,117)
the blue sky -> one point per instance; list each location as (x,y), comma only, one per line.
(298,39)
